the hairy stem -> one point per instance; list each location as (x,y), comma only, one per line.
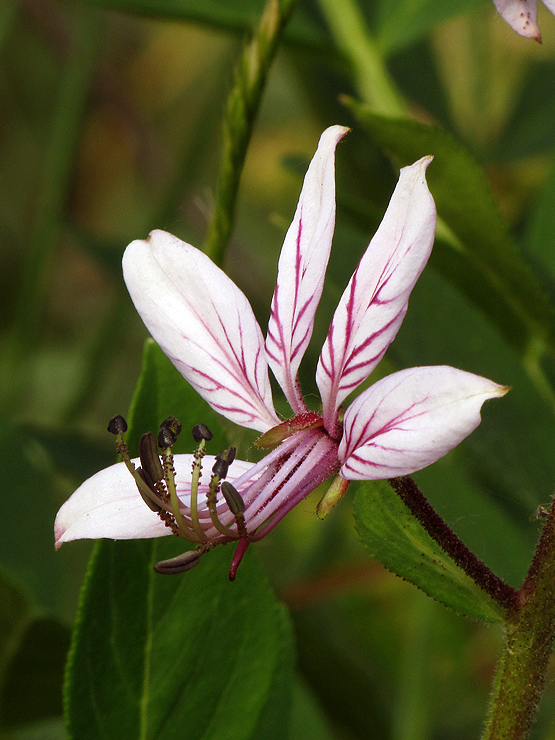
(242,106)
(440,531)
(529,636)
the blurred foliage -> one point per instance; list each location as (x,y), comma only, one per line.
(110,126)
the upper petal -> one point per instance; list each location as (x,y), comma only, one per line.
(109,505)
(410,419)
(205,325)
(301,269)
(521,15)
(374,304)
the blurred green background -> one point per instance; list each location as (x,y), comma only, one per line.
(110,127)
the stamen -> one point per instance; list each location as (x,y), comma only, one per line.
(166,439)
(117,425)
(172,423)
(201,432)
(223,461)
(233,499)
(237,507)
(149,493)
(150,461)
(179,564)
(152,505)
(220,470)
(200,436)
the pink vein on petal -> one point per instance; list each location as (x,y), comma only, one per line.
(205,325)
(375,301)
(301,269)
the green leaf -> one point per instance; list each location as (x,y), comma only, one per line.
(172,657)
(479,255)
(32,689)
(14,618)
(32,657)
(308,721)
(395,538)
(236,17)
(402,22)
(540,233)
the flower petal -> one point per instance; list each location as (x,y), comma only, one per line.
(204,324)
(301,269)
(109,505)
(521,15)
(374,303)
(410,419)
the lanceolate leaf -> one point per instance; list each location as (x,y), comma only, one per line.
(484,260)
(167,657)
(396,539)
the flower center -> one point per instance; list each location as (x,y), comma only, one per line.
(248,508)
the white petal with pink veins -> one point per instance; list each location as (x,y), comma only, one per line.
(204,324)
(410,419)
(302,267)
(374,303)
(109,505)
(521,15)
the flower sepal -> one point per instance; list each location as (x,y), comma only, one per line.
(277,434)
(332,496)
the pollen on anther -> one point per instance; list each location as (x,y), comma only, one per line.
(200,432)
(117,425)
(166,438)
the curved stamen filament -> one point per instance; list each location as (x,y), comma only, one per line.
(197,468)
(169,475)
(212,499)
(147,494)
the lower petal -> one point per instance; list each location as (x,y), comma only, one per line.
(109,505)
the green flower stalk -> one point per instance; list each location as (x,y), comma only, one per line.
(242,107)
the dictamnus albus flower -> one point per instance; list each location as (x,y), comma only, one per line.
(206,326)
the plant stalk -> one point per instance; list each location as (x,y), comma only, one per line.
(242,107)
(529,636)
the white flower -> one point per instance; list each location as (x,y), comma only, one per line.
(206,326)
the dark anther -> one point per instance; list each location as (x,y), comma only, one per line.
(150,461)
(233,499)
(223,461)
(179,564)
(152,505)
(173,424)
(117,425)
(166,438)
(201,432)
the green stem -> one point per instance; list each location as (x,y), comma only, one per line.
(242,107)
(354,40)
(529,636)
